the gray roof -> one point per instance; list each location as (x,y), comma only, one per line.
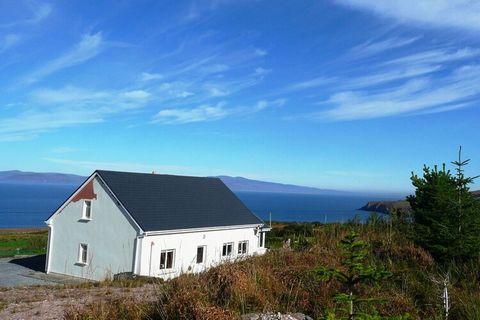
(160,202)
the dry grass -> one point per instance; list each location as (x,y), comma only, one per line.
(282,281)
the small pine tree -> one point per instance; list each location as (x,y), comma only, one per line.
(354,272)
(446,215)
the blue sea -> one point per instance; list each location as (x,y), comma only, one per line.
(29,205)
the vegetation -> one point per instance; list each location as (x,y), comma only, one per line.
(17,242)
(446,215)
(352,274)
(283,281)
(432,257)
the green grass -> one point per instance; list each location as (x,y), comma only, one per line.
(23,243)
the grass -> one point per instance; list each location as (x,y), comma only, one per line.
(282,280)
(16,242)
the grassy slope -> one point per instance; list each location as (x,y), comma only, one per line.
(18,242)
(283,281)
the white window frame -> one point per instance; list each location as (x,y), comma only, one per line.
(240,250)
(84,210)
(261,239)
(227,254)
(166,252)
(81,251)
(204,252)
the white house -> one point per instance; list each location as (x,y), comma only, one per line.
(150,225)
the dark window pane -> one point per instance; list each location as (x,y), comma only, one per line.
(162,260)
(224,250)
(169,259)
(199,254)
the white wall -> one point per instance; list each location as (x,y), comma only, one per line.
(110,236)
(185,245)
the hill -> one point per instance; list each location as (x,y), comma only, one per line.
(249,185)
(17,176)
(234,183)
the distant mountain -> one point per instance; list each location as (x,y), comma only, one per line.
(234,183)
(244,184)
(16,176)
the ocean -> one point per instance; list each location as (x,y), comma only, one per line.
(29,205)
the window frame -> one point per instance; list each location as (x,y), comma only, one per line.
(240,248)
(164,266)
(226,245)
(204,254)
(84,210)
(82,251)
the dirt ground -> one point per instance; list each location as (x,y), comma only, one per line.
(51,302)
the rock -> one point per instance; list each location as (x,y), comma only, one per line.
(275,316)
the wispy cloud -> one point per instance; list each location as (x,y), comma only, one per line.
(89,46)
(61,150)
(52,109)
(8,41)
(39,13)
(425,95)
(436,56)
(260,52)
(461,14)
(371,48)
(198,114)
(146,76)
(215,112)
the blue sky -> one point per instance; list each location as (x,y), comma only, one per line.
(347,94)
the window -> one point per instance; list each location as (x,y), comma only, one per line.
(227,249)
(201,254)
(166,259)
(243,247)
(83,253)
(261,239)
(87,210)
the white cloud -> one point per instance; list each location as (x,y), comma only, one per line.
(215,68)
(260,52)
(263,104)
(436,56)
(39,13)
(146,76)
(461,14)
(370,48)
(311,83)
(216,91)
(198,114)
(89,46)
(30,124)
(63,150)
(66,107)
(451,92)
(8,41)
(136,94)
(67,94)
(212,112)
(262,71)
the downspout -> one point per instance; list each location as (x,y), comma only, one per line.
(49,244)
(150,260)
(137,270)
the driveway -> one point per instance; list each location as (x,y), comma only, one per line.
(28,271)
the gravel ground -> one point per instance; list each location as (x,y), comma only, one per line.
(25,271)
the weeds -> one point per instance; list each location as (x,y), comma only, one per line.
(282,281)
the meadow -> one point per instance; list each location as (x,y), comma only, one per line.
(22,242)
